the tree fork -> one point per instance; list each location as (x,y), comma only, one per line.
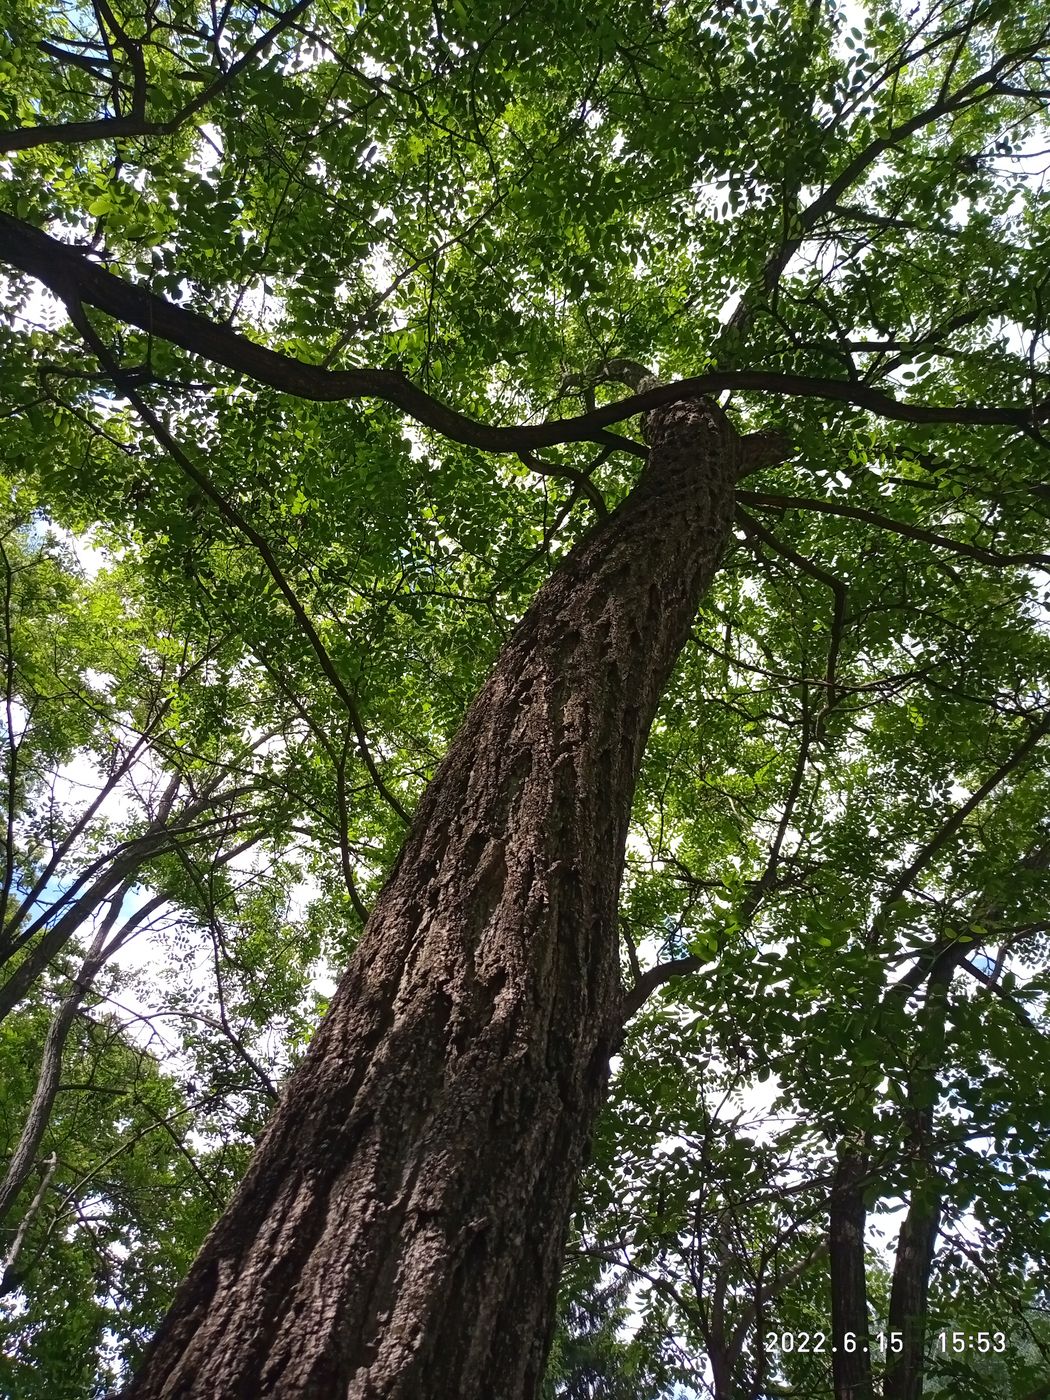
(400,1230)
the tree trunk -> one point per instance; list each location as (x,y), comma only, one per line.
(851,1369)
(43,1101)
(721,1373)
(715,1341)
(46,1091)
(917,1240)
(400,1229)
(909,1290)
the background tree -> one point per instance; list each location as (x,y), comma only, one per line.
(140,806)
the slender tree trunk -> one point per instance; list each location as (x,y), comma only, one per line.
(46,1091)
(918,1234)
(721,1373)
(908,1293)
(851,1368)
(10,1279)
(400,1229)
(36,961)
(715,1339)
(43,1101)
(40,944)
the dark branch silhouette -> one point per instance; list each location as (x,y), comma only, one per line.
(76,278)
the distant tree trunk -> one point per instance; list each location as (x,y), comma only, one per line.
(909,1290)
(38,1115)
(716,1343)
(917,1240)
(400,1229)
(721,1374)
(851,1369)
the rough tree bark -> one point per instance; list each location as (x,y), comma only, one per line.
(400,1229)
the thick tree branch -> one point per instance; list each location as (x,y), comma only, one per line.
(95,66)
(584,486)
(648,982)
(74,277)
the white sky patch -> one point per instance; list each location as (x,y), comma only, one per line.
(40,310)
(91,556)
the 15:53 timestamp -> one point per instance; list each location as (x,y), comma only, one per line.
(971,1341)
